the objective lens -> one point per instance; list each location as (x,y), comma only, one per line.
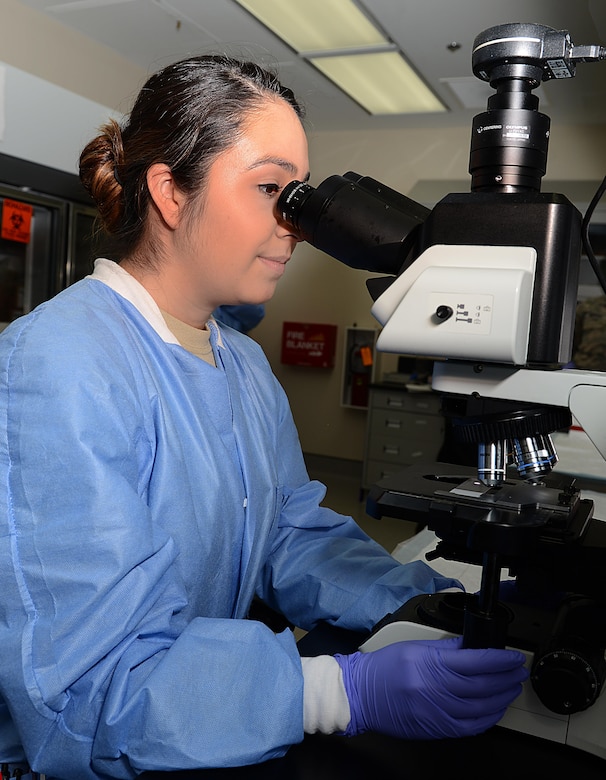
(534,456)
(492,463)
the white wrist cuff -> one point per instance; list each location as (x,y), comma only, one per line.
(325,702)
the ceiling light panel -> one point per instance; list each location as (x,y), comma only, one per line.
(317,25)
(345,46)
(383,83)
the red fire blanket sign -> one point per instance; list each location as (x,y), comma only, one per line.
(16,221)
(308,344)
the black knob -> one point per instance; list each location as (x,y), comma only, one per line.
(444,312)
(566,681)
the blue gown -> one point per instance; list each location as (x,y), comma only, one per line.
(145,497)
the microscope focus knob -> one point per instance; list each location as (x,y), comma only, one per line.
(566,681)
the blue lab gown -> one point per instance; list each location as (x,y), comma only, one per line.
(145,497)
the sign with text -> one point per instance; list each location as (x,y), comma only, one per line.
(309,344)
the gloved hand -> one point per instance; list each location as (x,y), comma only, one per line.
(430,689)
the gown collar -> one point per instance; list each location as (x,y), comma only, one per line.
(113,275)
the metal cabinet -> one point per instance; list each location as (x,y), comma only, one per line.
(403,428)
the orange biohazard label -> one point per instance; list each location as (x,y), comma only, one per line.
(16,221)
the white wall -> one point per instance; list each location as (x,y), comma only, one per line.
(44,123)
(57,87)
(35,43)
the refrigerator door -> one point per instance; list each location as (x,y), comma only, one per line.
(32,250)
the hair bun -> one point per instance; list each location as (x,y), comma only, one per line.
(99,173)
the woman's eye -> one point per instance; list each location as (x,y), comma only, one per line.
(270,189)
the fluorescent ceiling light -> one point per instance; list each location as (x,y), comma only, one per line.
(343,44)
(383,83)
(316,25)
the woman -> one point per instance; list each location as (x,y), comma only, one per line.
(153,481)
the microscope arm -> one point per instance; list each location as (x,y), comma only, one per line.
(583,392)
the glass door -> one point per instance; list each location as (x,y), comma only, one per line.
(32,250)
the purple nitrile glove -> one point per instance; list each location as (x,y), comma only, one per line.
(430,689)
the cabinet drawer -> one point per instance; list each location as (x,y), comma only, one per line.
(421,441)
(394,424)
(420,403)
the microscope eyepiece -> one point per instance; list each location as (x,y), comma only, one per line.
(292,198)
(355,219)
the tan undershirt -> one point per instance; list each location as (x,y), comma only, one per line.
(194,340)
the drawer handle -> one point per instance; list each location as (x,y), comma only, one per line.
(395,403)
(391,450)
(393,424)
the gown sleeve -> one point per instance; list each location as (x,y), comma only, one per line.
(322,566)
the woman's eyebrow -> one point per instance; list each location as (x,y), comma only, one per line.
(281,162)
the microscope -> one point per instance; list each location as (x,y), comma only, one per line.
(485,284)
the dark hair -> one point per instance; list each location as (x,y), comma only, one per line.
(185,115)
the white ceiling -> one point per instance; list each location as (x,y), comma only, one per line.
(152,33)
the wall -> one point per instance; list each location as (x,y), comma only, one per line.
(44,123)
(59,84)
(56,88)
(43,47)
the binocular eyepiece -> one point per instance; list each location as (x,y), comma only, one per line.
(355,219)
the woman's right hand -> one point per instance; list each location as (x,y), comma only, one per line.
(430,689)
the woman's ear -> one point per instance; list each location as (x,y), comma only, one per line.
(164,192)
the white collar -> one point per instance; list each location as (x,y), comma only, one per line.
(113,275)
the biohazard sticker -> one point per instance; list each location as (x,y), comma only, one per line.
(16,221)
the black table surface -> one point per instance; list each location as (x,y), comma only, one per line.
(498,754)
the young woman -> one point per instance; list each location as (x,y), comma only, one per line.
(153,483)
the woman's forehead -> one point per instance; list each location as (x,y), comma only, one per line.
(274,135)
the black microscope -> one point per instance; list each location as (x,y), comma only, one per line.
(485,283)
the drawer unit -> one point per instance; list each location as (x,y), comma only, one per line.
(403,428)
(411,436)
(404,401)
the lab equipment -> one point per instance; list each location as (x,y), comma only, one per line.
(429,690)
(486,284)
